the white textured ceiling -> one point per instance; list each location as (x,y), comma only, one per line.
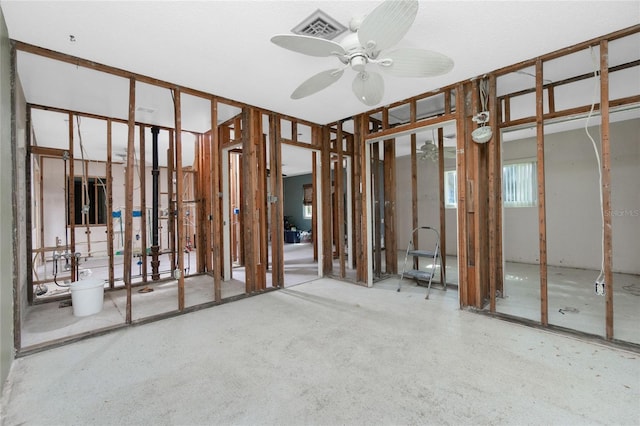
(224,48)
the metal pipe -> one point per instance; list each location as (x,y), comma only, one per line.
(155,263)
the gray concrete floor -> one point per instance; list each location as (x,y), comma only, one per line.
(327,352)
(570,290)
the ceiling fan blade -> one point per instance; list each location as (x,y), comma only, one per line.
(317,82)
(312,46)
(368,87)
(387,24)
(416,63)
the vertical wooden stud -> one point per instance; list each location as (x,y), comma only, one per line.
(314,206)
(390,229)
(461,131)
(325,175)
(414,184)
(109,176)
(216,207)
(249,207)
(606,187)
(443,225)
(339,188)
(180,234)
(128,205)
(171,167)
(277,213)
(542,213)
(376,207)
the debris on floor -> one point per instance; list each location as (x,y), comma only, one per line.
(65,304)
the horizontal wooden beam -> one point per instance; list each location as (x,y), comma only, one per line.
(381,134)
(568,50)
(49,152)
(571,111)
(119,72)
(581,77)
(312,145)
(101,117)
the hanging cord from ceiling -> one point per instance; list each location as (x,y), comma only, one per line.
(596,85)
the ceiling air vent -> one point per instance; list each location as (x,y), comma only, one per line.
(319,24)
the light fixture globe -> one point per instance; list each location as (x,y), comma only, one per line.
(482,134)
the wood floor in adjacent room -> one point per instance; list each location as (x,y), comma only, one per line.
(323,353)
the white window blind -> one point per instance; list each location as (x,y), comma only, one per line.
(450,189)
(519,184)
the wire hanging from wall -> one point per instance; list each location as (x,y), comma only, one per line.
(596,75)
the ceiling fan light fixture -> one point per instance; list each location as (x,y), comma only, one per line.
(358,62)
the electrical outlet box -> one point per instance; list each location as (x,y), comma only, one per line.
(176,274)
(600,288)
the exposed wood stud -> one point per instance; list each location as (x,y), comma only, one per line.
(261,202)
(461,132)
(327,211)
(277,208)
(128,205)
(339,185)
(542,212)
(314,206)
(249,210)
(414,195)
(29,159)
(414,184)
(360,262)
(109,170)
(364,246)
(376,184)
(171,162)
(180,232)
(495,202)
(390,229)
(606,188)
(216,207)
(443,224)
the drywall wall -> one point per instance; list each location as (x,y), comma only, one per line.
(573,201)
(293,197)
(573,198)
(428,202)
(6,212)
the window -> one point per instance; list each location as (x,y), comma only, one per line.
(307,211)
(307,201)
(519,184)
(450,189)
(95,197)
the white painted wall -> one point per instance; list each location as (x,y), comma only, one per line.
(428,203)
(573,206)
(54,202)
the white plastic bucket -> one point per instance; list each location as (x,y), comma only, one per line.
(87,296)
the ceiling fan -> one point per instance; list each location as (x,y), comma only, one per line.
(363,48)
(429,151)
